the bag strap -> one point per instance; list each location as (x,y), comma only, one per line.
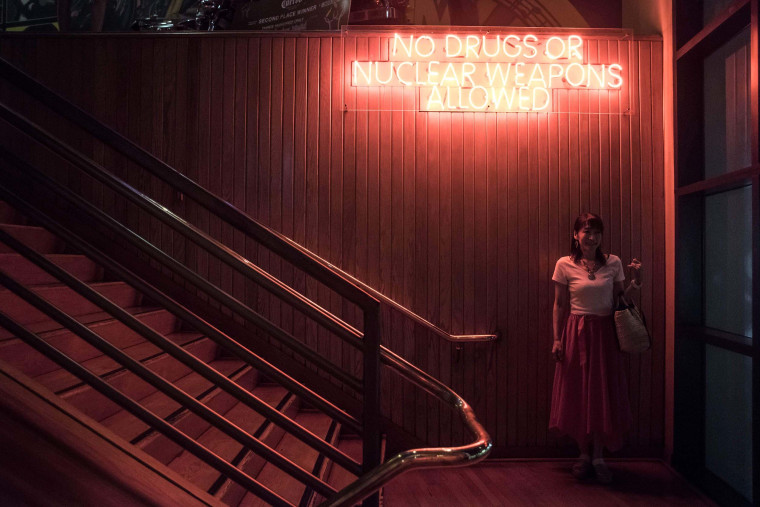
(623,303)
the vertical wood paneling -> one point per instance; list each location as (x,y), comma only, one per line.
(459,216)
(658,272)
(645,233)
(489,283)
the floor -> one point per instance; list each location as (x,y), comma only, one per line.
(543,483)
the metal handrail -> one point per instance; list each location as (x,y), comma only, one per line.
(329,321)
(407,460)
(179,268)
(182,355)
(183,313)
(327,273)
(145,415)
(432,457)
(166,387)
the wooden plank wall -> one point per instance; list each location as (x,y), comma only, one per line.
(458,216)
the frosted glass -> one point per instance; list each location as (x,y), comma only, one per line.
(728,418)
(727,118)
(728,262)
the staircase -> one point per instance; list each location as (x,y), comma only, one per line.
(146,345)
(84,398)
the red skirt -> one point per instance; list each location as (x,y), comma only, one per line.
(590,393)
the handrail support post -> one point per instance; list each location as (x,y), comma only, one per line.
(372,431)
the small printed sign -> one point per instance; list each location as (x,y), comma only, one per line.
(291,15)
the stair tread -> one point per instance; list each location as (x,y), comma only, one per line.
(51,328)
(165,450)
(203,475)
(38,238)
(59,380)
(28,273)
(128,426)
(15,227)
(132,386)
(33,363)
(51,256)
(297,451)
(339,477)
(67,300)
(94,285)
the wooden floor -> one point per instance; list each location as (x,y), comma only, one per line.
(543,483)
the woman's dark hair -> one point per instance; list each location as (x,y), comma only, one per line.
(591,221)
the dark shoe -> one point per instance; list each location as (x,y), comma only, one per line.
(603,474)
(581,469)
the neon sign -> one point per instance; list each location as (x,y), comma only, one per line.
(487,73)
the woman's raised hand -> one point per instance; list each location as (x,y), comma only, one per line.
(635,270)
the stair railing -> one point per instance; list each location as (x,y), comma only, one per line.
(343,283)
(177,351)
(302,258)
(368,342)
(95,216)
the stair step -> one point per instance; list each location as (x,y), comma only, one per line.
(67,300)
(230,492)
(61,379)
(49,325)
(32,363)
(128,427)
(120,421)
(337,476)
(37,238)
(27,273)
(280,482)
(203,475)
(133,386)
(165,450)
(9,215)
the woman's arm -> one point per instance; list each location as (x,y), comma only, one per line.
(559,315)
(635,285)
(618,289)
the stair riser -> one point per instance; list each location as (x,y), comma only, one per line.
(9,216)
(36,238)
(134,387)
(27,273)
(67,300)
(34,364)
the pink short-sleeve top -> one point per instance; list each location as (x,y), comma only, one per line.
(589,297)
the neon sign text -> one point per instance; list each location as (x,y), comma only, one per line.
(469,74)
(489,73)
(484,48)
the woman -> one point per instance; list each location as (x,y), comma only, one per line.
(590,396)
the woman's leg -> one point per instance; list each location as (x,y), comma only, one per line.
(603,474)
(598,447)
(582,468)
